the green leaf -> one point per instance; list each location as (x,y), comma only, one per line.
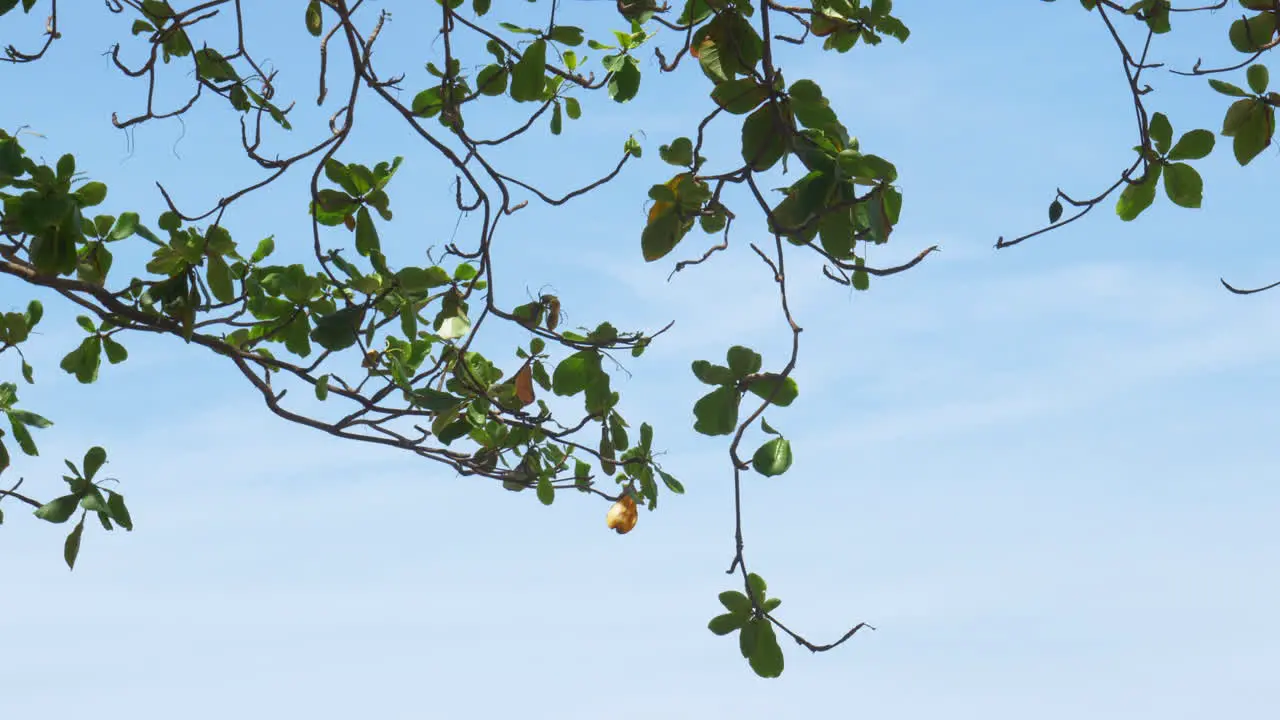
(116,353)
(1239,111)
(766,657)
(492,81)
(314,21)
(1055,211)
(567,35)
(646,436)
(213,67)
(739,96)
(763,143)
(618,432)
(625,83)
(712,374)
(546,493)
(157,9)
(695,11)
(93,460)
(663,232)
(662,193)
(383,172)
(1253,134)
(1156,15)
(35,311)
(1136,198)
(748,636)
(118,511)
(338,330)
(23,436)
(26,417)
(519,483)
(58,510)
(735,602)
(102,225)
(1250,35)
(91,193)
(1193,145)
(529,314)
(1161,132)
(409,321)
(13,328)
(366,234)
(557,119)
(83,362)
(812,109)
(265,247)
(571,375)
(716,413)
(1258,78)
(1183,185)
(743,361)
(773,457)
(169,220)
(219,277)
(599,397)
(54,250)
(783,390)
(679,152)
(427,103)
(516,28)
(11,160)
(416,280)
(464,272)
(714,223)
(71,548)
(757,585)
(727,623)
(1227,88)
(528,77)
(672,484)
(126,225)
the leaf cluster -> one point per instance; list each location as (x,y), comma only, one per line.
(397,354)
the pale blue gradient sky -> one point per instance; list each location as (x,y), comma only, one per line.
(1046,474)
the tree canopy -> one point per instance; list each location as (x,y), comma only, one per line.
(446,359)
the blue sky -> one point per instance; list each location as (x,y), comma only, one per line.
(1045,473)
